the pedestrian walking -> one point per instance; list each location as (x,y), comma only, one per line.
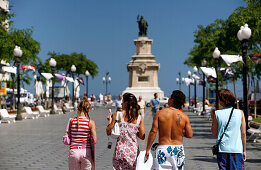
(172,124)
(83,136)
(131,126)
(229,125)
(154,104)
(142,105)
(118,103)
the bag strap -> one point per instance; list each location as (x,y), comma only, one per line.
(226,126)
(117,117)
(68,124)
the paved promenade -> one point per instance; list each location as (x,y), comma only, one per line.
(37,144)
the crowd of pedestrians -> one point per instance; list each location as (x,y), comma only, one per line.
(172,124)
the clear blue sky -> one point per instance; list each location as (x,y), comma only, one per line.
(104,30)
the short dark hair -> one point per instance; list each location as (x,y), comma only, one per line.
(179,99)
(226,97)
(155,94)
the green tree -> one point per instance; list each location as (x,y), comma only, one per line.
(223,34)
(65,61)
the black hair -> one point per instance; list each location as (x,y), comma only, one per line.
(179,99)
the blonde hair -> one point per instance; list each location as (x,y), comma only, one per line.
(84,107)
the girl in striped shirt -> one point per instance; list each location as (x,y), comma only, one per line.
(82,130)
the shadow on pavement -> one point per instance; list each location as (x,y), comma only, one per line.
(206,159)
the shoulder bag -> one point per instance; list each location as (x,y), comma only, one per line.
(115,132)
(215,149)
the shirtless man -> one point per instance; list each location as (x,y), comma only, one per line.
(172,125)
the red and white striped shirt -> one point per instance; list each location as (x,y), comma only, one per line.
(80,135)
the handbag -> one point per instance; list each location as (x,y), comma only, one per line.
(115,132)
(67,138)
(215,149)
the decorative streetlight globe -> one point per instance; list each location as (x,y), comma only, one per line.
(87,73)
(246,32)
(183,79)
(189,73)
(216,53)
(18,52)
(103,79)
(73,68)
(239,33)
(87,76)
(52,62)
(109,79)
(177,80)
(195,69)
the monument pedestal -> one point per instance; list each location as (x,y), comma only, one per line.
(143,71)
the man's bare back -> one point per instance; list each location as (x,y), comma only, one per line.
(172,124)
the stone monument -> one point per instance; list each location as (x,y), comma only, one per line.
(143,68)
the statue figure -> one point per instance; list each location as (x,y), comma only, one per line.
(143,26)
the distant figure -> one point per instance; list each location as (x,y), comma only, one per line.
(118,103)
(131,126)
(93,98)
(206,101)
(82,129)
(155,104)
(142,105)
(232,148)
(143,26)
(101,98)
(172,125)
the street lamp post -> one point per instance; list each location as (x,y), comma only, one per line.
(195,70)
(73,69)
(179,80)
(18,54)
(204,63)
(87,76)
(106,80)
(189,74)
(243,35)
(52,63)
(216,55)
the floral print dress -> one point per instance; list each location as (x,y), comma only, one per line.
(126,149)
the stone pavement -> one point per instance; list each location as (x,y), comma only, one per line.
(37,144)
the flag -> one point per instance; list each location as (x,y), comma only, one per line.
(70,79)
(80,80)
(25,67)
(59,76)
(209,71)
(229,59)
(48,76)
(227,73)
(9,69)
(255,58)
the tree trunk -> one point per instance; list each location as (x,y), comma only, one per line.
(235,91)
